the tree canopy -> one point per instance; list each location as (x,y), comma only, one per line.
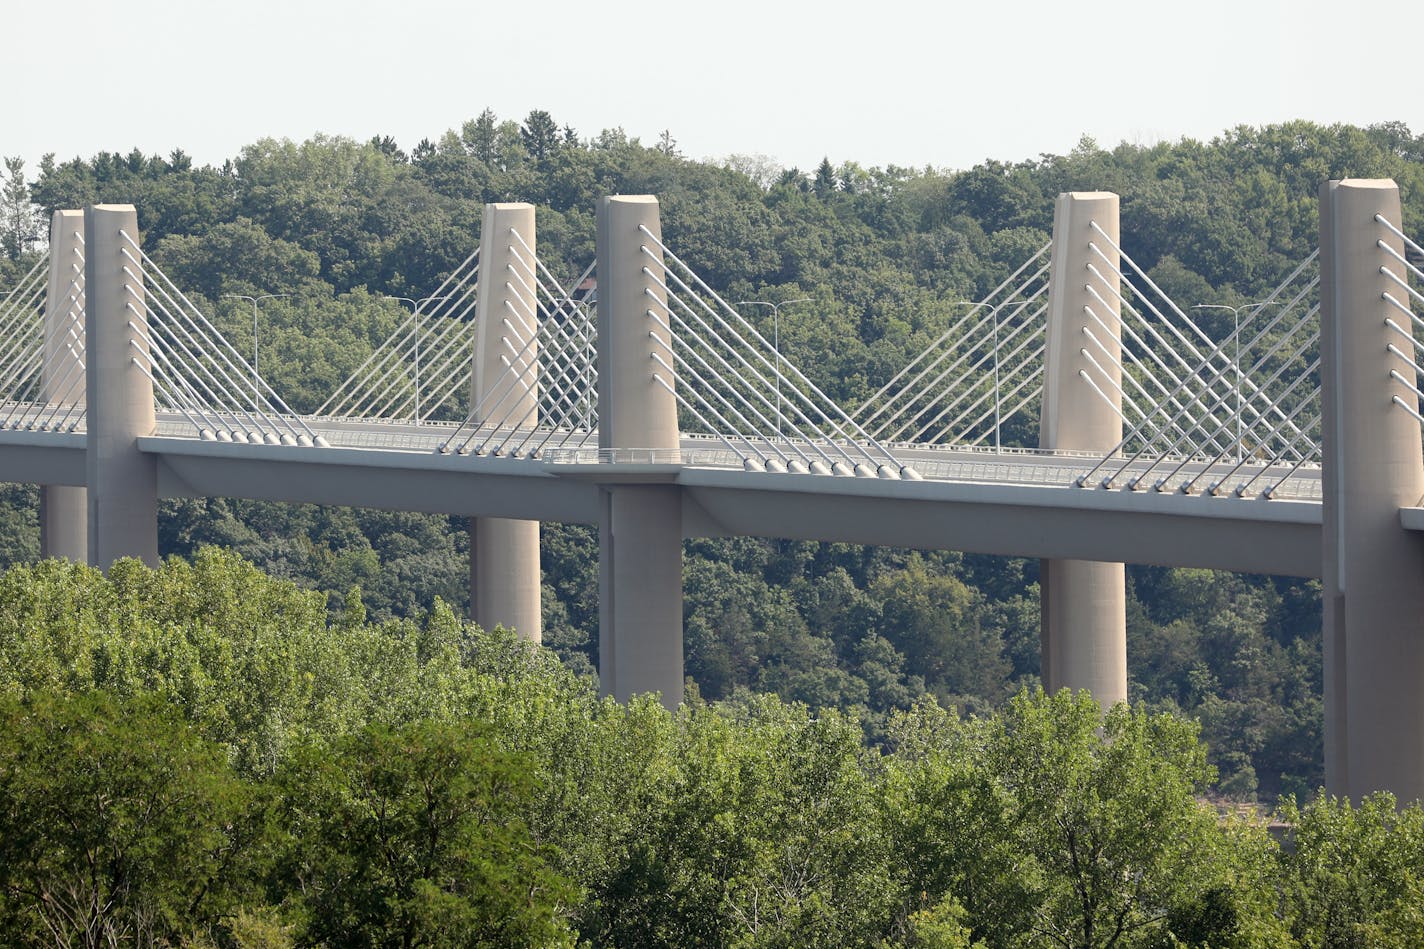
(202,755)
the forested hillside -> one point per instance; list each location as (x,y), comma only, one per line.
(885,254)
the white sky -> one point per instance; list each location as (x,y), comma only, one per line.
(892,82)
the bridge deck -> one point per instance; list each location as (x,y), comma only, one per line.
(1021,504)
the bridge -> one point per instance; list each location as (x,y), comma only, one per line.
(658,412)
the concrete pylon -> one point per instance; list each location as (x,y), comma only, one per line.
(1083,604)
(640,523)
(64,510)
(123,481)
(504,553)
(1373,568)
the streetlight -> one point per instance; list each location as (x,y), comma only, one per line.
(253,301)
(416,305)
(775,342)
(995,343)
(1236,359)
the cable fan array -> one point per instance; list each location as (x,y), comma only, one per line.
(421,371)
(546,397)
(42,380)
(194,371)
(977,376)
(1407,272)
(1196,410)
(737,387)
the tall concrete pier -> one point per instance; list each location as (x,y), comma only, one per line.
(1083,603)
(504,553)
(1373,568)
(123,481)
(640,515)
(64,515)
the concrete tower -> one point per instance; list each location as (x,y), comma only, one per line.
(640,521)
(504,553)
(64,510)
(1373,568)
(123,481)
(1084,605)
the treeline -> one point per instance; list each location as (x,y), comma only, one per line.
(885,254)
(201,755)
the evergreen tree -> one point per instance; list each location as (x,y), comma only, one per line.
(19,225)
(481,137)
(540,135)
(825,182)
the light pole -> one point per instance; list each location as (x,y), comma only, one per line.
(416,305)
(775,343)
(994,341)
(253,301)
(1236,359)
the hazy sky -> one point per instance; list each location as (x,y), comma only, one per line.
(945,84)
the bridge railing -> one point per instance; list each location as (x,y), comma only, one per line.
(978,464)
(17,416)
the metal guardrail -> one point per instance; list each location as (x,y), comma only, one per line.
(41,417)
(1295,488)
(1011,466)
(399,441)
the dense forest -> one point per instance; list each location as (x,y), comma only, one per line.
(204,756)
(884,254)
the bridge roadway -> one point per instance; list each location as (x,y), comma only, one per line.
(1014,503)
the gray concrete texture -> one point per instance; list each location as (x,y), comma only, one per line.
(504,384)
(1373,568)
(64,510)
(640,526)
(122,480)
(1083,604)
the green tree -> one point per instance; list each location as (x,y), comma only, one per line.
(932,619)
(765,832)
(411,837)
(118,824)
(824,185)
(19,226)
(944,926)
(1051,825)
(1354,876)
(540,135)
(481,137)
(238,257)
(1105,830)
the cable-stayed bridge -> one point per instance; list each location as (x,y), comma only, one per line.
(652,408)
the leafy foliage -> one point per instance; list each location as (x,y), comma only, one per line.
(116,822)
(202,755)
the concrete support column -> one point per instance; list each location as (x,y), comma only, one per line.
(123,481)
(1083,603)
(64,510)
(640,527)
(1373,569)
(504,553)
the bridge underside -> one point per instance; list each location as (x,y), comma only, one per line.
(390,480)
(1278,537)
(1275,537)
(44,458)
